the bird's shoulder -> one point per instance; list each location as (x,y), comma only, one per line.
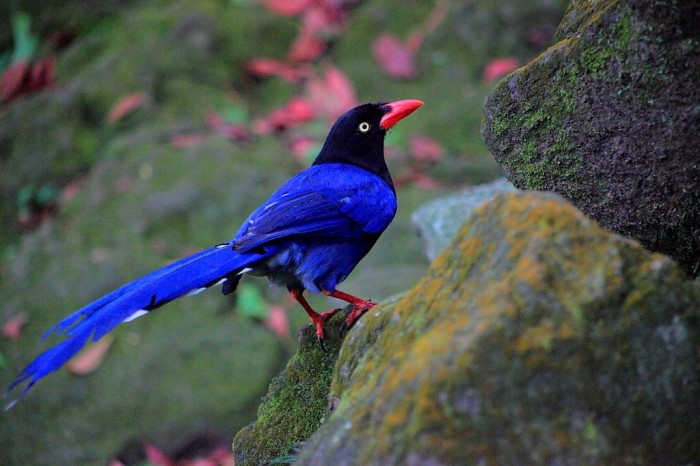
(347,187)
(330,199)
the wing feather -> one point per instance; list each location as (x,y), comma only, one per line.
(326,201)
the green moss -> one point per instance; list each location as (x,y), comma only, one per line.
(619,74)
(296,402)
(518,312)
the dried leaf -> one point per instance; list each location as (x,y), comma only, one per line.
(90,358)
(394,57)
(232,126)
(12,328)
(70,190)
(126,105)
(287,7)
(332,94)
(317,27)
(41,75)
(426,149)
(13,79)
(499,67)
(295,112)
(278,321)
(434,19)
(268,67)
(307,47)
(155,456)
(304,148)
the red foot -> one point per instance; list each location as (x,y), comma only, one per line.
(317,319)
(359,307)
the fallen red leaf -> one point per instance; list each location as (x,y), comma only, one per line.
(394,57)
(156,456)
(90,358)
(332,94)
(434,19)
(12,328)
(126,105)
(295,112)
(398,58)
(499,67)
(278,321)
(318,25)
(301,146)
(300,110)
(70,190)
(426,149)
(12,80)
(41,75)
(268,67)
(287,7)
(23,78)
(306,47)
(232,131)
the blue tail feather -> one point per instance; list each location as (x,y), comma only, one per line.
(147,293)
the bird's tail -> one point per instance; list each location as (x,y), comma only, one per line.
(217,265)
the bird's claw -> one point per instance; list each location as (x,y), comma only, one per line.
(321,344)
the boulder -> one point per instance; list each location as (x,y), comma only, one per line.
(295,404)
(536,337)
(438,221)
(608,118)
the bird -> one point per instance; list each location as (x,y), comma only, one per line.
(309,235)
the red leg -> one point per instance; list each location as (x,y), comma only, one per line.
(359,306)
(316,318)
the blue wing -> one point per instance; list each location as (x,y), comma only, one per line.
(325,201)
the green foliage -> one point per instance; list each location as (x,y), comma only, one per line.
(250,302)
(24,41)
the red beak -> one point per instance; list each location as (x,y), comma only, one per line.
(397,111)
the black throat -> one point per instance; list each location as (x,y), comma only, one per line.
(345,144)
(370,159)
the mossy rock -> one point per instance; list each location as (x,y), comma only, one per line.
(536,337)
(607,117)
(295,404)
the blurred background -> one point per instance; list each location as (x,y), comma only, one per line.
(133,133)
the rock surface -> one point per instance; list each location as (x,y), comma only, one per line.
(295,404)
(438,221)
(535,338)
(608,117)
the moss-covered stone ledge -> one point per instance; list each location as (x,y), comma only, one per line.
(296,401)
(536,337)
(608,118)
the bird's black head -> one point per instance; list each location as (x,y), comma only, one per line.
(357,137)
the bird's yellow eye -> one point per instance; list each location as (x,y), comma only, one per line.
(363,127)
